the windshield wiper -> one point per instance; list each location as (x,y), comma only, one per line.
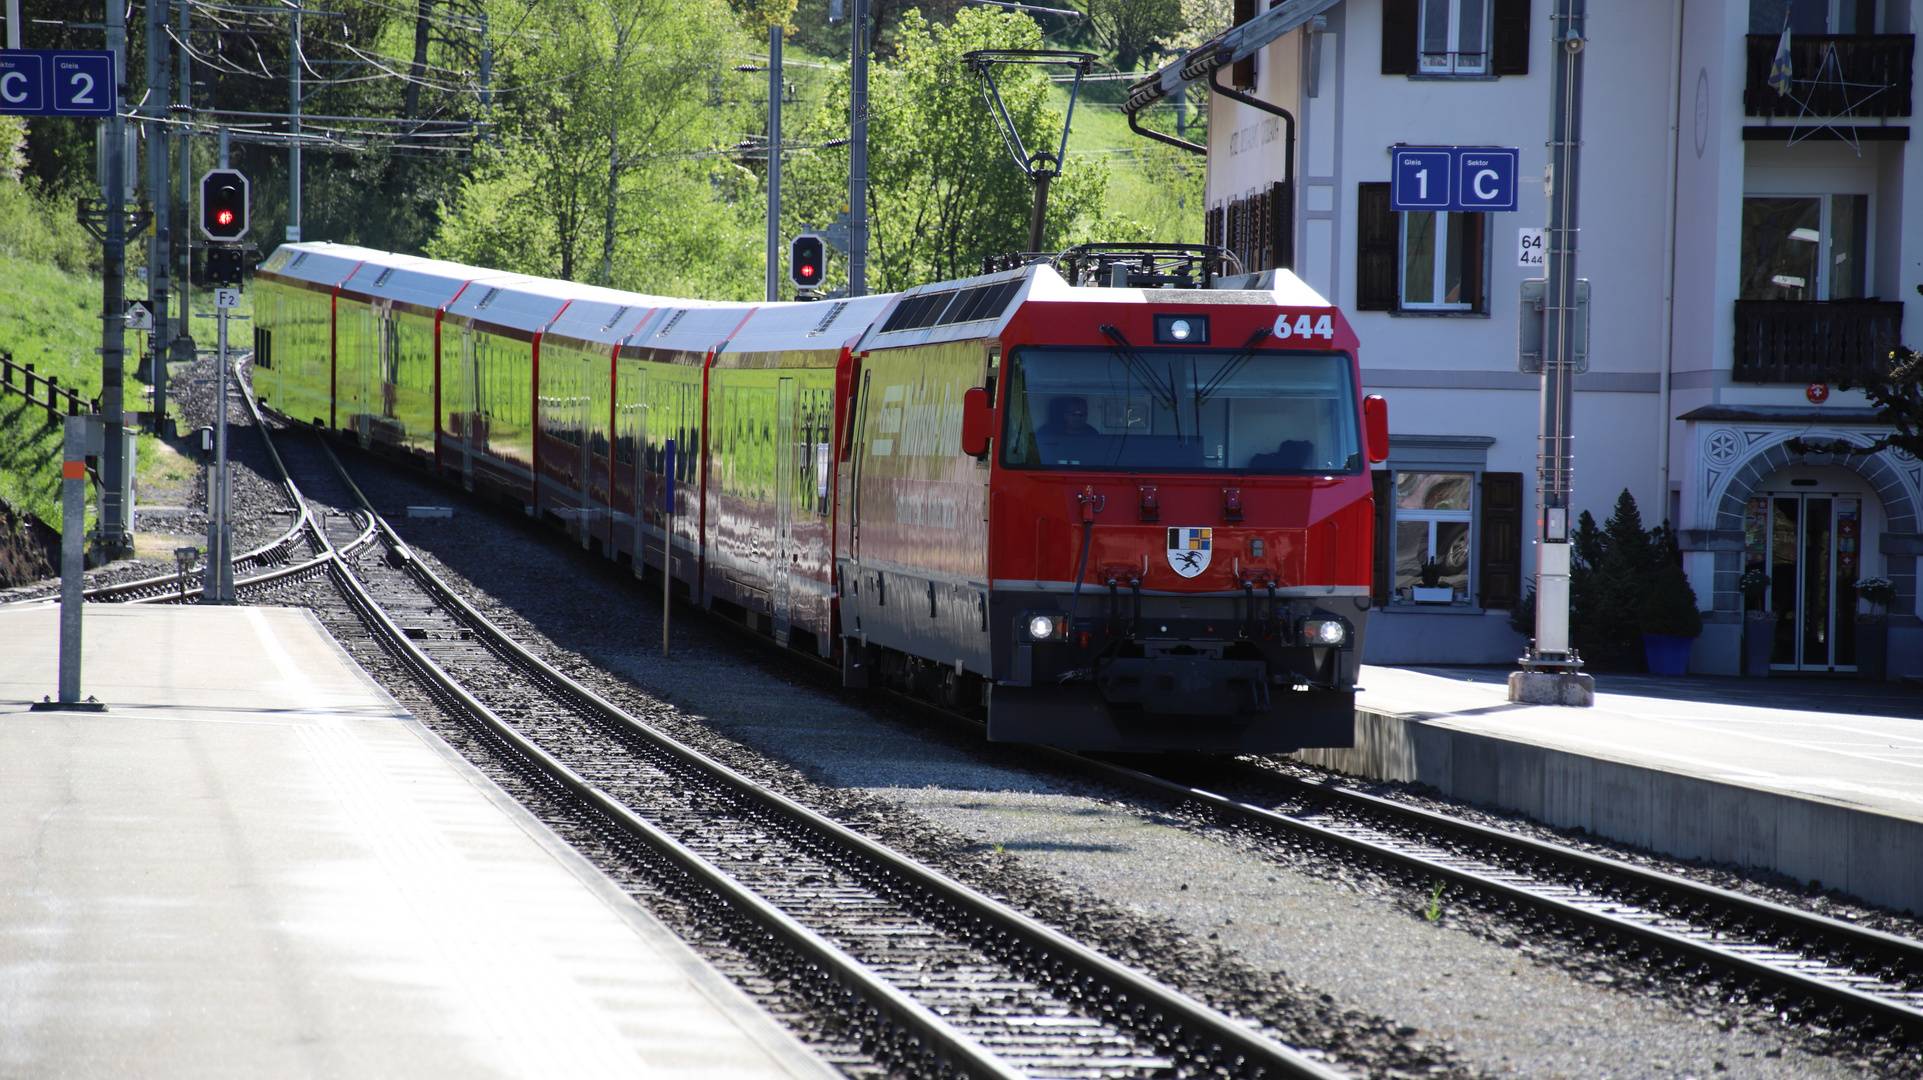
(1163,391)
(1235,364)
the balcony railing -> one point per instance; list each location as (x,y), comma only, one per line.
(1863,63)
(1806,341)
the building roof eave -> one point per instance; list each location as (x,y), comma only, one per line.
(1222,50)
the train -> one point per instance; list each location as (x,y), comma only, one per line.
(1116,501)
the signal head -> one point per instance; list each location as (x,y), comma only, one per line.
(807,261)
(223,205)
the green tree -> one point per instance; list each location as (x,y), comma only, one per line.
(1134,29)
(943,190)
(607,169)
(1613,571)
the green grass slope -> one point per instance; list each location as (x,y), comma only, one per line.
(48,318)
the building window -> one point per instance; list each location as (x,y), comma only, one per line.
(1805,247)
(1419,262)
(1433,514)
(1436,500)
(1259,229)
(1441,260)
(1455,37)
(1839,17)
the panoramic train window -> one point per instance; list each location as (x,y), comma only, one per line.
(1181,410)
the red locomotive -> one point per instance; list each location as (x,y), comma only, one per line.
(1117,517)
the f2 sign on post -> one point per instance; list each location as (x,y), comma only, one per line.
(1465,179)
(46,82)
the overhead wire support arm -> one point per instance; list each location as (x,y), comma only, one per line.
(1041,167)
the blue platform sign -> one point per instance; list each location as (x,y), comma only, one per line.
(51,82)
(1460,178)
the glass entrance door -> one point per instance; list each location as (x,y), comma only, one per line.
(1808,543)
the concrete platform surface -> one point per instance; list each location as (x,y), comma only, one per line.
(1819,782)
(257,865)
(1789,742)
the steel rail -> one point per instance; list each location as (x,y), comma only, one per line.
(1205,1034)
(163,587)
(1830,988)
(161,590)
(950,1047)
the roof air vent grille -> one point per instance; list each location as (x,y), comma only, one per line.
(614,318)
(669,325)
(828,319)
(486,300)
(382,280)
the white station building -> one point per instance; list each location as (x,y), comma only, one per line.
(1744,248)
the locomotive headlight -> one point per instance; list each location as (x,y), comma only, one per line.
(1179,330)
(1041,627)
(1326,633)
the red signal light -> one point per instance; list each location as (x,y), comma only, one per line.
(807,271)
(223,217)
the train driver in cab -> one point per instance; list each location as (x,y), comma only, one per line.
(1068,437)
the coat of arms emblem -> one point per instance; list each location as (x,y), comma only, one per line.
(1188,550)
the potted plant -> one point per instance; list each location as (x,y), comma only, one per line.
(1759,622)
(1429,588)
(1872,628)
(1670,622)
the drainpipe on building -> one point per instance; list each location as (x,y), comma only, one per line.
(1669,269)
(1285,256)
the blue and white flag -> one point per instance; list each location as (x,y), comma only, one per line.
(1779,67)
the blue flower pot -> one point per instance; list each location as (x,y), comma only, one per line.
(1667,655)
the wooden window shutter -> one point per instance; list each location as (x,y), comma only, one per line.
(1242,72)
(1474,254)
(1399,20)
(1509,37)
(1385,500)
(1376,244)
(1282,223)
(1501,571)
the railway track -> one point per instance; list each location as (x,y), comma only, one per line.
(1804,966)
(928,977)
(295,555)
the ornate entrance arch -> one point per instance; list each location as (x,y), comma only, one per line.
(1732,458)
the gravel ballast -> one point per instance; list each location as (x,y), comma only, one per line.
(1328,957)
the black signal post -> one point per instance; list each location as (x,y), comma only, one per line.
(807,261)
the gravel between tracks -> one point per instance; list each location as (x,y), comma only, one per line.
(1329,956)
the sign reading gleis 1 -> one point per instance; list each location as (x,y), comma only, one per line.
(1460,178)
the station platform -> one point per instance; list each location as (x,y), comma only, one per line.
(255,863)
(1820,779)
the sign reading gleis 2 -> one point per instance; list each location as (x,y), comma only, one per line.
(1460,178)
(48,82)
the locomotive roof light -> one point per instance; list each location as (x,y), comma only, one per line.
(1181,329)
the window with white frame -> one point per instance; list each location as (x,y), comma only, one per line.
(1455,37)
(1441,265)
(1433,515)
(1805,247)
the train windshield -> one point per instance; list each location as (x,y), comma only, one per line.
(1181,410)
